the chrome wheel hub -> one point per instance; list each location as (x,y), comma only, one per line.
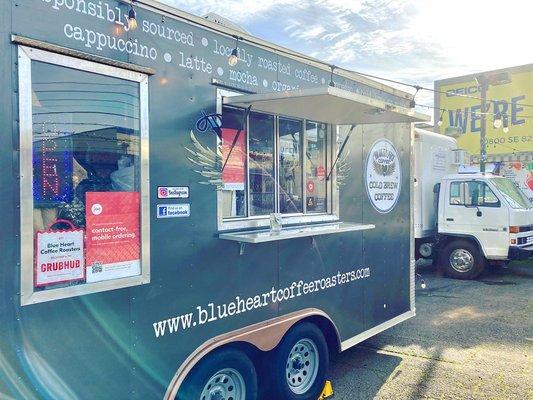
(226,384)
(302,366)
(461,260)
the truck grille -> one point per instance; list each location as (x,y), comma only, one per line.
(525,240)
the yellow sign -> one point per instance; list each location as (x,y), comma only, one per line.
(510,97)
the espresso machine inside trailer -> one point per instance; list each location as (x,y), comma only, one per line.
(185,204)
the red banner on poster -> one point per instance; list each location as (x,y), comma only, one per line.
(112,235)
(233,175)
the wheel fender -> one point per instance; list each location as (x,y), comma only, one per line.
(443,240)
(264,336)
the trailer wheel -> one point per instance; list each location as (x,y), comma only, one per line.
(299,364)
(227,374)
(462,259)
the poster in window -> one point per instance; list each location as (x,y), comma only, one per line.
(112,235)
(234,171)
(59,256)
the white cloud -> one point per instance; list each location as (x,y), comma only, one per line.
(416,41)
(238,11)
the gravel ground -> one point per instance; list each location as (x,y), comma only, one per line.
(469,340)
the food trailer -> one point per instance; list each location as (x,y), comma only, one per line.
(189,211)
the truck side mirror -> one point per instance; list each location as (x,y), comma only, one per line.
(479,213)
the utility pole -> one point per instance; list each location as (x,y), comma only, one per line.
(483,87)
(484,82)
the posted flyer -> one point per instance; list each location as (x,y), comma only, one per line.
(113,235)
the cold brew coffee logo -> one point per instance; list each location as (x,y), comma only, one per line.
(383,162)
(383,176)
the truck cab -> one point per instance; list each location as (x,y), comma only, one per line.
(482,218)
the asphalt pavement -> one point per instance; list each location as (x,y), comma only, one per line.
(469,340)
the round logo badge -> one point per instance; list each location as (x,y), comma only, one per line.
(96,209)
(163,192)
(383,176)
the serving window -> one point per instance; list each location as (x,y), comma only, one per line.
(274,164)
(84,172)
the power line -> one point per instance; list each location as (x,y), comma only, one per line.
(480,113)
(486,144)
(418,88)
(290,53)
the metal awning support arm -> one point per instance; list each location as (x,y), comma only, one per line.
(340,151)
(237,136)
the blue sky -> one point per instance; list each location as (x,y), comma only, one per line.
(416,41)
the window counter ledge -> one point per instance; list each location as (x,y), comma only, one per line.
(291,232)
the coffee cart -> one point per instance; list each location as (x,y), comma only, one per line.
(189,211)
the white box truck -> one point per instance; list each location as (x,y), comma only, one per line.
(465,221)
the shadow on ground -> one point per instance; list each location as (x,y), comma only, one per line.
(469,340)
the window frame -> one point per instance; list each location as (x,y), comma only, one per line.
(302,162)
(27,293)
(261,221)
(462,195)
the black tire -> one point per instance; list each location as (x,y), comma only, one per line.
(418,242)
(208,367)
(279,387)
(468,248)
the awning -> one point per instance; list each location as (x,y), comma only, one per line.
(327,104)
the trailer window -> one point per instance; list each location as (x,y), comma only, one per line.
(290,166)
(278,165)
(85,180)
(315,172)
(234,174)
(261,159)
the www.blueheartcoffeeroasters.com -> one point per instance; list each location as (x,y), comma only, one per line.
(213,312)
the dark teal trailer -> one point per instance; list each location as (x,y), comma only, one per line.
(189,211)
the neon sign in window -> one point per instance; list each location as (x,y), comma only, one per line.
(52,171)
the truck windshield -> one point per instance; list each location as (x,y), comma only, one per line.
(514,196)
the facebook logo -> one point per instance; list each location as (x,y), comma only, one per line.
(173,210)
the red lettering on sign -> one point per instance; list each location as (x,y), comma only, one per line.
(49,168)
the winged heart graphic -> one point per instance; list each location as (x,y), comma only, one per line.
(383,162)
(209,161)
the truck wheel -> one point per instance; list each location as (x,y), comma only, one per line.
(462,259)
(299,364)
(423,249)
(227,374)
